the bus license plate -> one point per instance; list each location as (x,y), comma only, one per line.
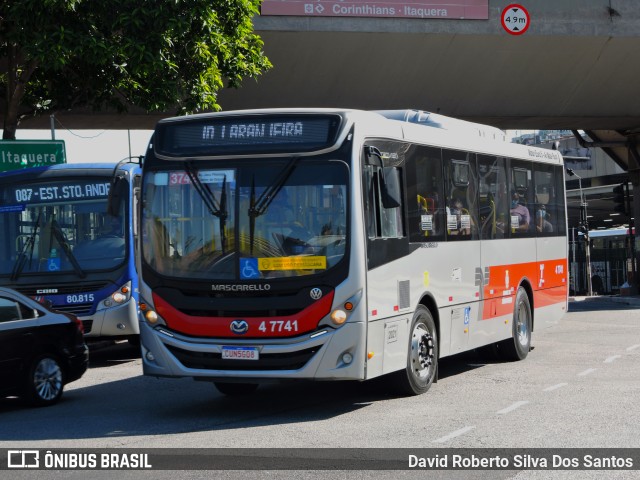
(240,353)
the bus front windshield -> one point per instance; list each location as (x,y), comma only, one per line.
(60,226)
(249,221)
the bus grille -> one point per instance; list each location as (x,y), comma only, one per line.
(267,361)
(32,290)
(79,309)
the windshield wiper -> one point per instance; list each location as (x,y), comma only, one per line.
(217,209)
(62,241)
(258,207)
(22,257)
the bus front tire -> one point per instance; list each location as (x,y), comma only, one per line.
(517,347)
(236,389)
(422,357)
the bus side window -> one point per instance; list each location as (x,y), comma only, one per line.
(425,194)
(558,198)
(545,207)
(493,207)
(381,222)
(522,221)
(370,207)
(391,216)
(461,195)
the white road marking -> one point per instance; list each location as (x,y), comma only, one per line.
(587,372)
(633,347)
(555,387)
(612,358)
(455,434)
(511,408)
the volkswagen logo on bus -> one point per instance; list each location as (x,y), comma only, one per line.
(239,327)
(316,293)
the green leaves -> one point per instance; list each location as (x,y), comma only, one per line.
(154,54)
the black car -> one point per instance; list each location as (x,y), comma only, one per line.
(41,350)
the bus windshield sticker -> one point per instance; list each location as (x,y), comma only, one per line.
(160,179)
(13,208)
(465,221)
(205,176)
(293,263)
(249,268)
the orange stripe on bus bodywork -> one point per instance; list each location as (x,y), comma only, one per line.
(548,279)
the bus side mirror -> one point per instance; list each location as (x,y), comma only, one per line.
(136,205)
(115,196)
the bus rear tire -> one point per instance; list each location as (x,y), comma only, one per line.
(422,357)
(236,389)
(517,347)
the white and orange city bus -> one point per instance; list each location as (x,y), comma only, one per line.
(333,244)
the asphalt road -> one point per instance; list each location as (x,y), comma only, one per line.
(578,388)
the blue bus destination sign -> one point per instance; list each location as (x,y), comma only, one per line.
(18,154)
(243,134)
(55,192)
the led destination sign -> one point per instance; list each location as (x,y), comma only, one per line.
(55,192)
(212,136)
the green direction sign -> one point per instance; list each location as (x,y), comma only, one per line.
(17,154)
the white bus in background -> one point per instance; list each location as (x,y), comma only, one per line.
(611,253)
(336,244)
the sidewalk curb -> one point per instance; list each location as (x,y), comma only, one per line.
(627,300)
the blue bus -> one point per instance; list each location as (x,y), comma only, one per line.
(67,238)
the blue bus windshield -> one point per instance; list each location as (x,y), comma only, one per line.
(60,225)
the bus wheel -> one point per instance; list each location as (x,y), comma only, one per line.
(422,358)
(517,347)
(235,389)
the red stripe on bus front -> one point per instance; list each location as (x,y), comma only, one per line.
(285,326)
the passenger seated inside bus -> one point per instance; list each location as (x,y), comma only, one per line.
(458,218)
(520,218)
(543,225)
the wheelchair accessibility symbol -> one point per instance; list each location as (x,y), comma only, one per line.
(249,268)
(53,264)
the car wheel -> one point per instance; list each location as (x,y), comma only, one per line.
(45,381)
(235,389)
(422,357)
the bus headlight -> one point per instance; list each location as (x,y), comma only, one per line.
(150,315)
(120,296)
(338,317)
(341,313)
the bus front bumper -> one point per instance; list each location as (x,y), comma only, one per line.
(332,355)
(118,321)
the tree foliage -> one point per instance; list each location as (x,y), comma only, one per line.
(159,55)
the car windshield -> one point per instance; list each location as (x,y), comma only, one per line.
(250,221)
(59,226)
